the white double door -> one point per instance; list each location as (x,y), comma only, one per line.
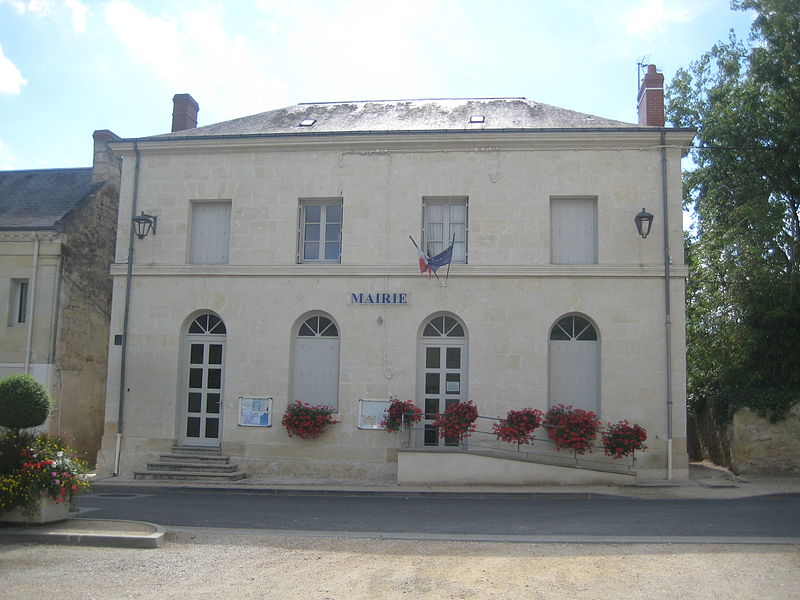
(444,383)
(203,392)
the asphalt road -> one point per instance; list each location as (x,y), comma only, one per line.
(776,516)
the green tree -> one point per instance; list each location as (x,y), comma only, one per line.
(743,308)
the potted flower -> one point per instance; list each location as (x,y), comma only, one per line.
(39,474)
(623,439)
(571,428)
(518,426)
(307,421)
(457,421)
(400,413)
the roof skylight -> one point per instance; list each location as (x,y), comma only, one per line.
(477,119)
(307,122)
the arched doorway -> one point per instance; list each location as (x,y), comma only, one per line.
(575,364)
(315,368)
(203,381)
(442,373)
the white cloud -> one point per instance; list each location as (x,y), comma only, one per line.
(361,47)
(39,8)
(80,13)
(652,15)
(192,52)
(11,80)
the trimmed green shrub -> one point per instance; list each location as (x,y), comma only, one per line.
(24,402)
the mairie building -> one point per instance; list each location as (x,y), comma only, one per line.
(271,259)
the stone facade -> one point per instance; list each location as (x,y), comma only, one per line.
(64,255)
(508,297)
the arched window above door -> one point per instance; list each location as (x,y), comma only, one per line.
(443,326)
(318,326)
(574,327)
(207,324)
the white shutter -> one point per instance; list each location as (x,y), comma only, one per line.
(211,225)
(573,374)
(316,371)
(573,231)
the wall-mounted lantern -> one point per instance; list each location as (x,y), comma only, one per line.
(144,225)
(644,221)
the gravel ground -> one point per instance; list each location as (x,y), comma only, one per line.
(227,566)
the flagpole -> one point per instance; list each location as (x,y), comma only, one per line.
(447,275)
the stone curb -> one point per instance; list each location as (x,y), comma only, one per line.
(89,532)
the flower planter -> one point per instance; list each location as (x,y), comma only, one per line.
(46,511)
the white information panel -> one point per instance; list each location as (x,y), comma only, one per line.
(255,412)
(371,413)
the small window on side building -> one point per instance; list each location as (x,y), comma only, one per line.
(18,315)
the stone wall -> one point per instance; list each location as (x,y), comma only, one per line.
(758,446)
(81,358)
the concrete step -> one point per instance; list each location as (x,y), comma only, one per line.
(188,476)
(195,458)
(197,450)
(198,467)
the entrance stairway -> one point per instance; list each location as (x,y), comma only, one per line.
(192,463)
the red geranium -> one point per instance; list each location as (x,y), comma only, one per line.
(518,426)
(401,412)
(457,421)
(306,421)
(571,428)
(622,439)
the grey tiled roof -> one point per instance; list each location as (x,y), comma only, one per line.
(405,116)
(41,198)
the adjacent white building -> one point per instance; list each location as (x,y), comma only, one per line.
(281,269)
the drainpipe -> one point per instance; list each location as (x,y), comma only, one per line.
(54,332)
(126,311)
(32,303)
(667,308)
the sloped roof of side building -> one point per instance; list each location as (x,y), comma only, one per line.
(397,116)
(41,198)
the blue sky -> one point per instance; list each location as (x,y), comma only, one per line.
(68,67)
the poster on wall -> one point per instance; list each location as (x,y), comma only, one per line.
(255,412)
(371,413)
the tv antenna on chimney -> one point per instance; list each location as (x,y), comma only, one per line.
(641,67)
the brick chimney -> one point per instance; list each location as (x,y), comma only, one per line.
(184,112)
(105,166)
(651,98)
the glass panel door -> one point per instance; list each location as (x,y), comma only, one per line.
(443,373)
(203,393)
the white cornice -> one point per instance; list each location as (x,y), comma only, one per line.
(530,140)
(365,271)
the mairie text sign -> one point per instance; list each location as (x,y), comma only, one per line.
(378,298)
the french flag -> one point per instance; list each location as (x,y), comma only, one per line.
(433,263)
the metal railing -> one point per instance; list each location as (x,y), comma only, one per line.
(542,449)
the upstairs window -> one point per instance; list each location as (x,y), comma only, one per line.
(444,218)
(320,230)
(573,231)
(211,228)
